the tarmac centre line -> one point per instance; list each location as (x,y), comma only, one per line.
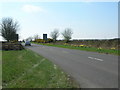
(95,58)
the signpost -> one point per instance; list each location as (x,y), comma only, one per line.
(45,37)
(17,37)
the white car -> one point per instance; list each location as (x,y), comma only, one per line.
(27,43)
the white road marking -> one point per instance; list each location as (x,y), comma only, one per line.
(95,58)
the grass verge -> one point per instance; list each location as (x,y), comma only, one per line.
(26,69)
(0,69)
(93,49)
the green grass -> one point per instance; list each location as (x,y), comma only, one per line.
(26,69)
(93,49)
(0,69)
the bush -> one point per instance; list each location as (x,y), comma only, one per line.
(12,46)
(43,41)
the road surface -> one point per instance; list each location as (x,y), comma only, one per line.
(89,69)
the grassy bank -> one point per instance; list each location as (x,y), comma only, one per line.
(84,48)
(26,69)
(0,69)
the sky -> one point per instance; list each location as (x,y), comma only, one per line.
(87,20)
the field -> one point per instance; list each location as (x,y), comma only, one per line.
(84,47)
(107,46)
(26,69)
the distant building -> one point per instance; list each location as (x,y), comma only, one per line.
(44,36)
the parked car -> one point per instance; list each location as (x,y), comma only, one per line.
(27,43)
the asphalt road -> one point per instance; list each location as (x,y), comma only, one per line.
(89,69)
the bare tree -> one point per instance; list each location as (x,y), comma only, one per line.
(54,35)
(36,37)
(67,34)
(8,29)
(29,39)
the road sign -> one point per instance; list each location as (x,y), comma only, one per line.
(44,36)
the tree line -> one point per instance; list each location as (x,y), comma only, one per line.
(9,29)
(67,35)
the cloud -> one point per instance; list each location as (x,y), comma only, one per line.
(32,8)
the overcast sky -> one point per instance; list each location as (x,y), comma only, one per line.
(88,20)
